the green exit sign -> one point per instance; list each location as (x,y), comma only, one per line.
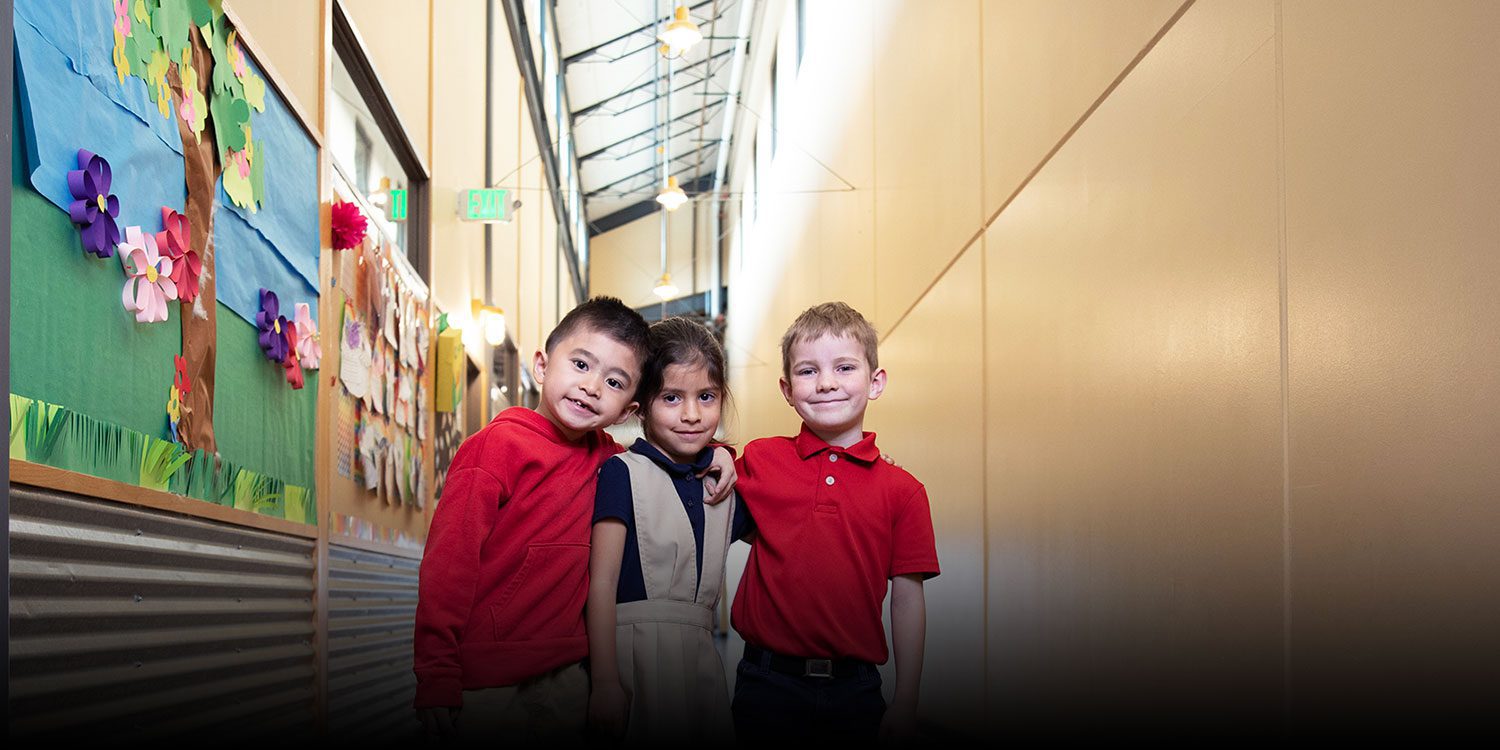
(398,205)
(489,204)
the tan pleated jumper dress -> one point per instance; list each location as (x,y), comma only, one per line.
(669,667)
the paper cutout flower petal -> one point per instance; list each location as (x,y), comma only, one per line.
(175,242)
(292,364)
(348,226)
(148,282)
(93,209)
(309,346)
(180,377)
(272,325)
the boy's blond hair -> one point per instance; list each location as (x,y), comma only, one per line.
(829,318)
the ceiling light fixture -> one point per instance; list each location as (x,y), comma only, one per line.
(665,288)
(680,35)
(671,197)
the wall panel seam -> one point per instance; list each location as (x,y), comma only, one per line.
(1046,159)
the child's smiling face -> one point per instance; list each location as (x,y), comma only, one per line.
(830,383)
(588,382)
(682,418)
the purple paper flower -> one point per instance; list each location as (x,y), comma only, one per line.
(95,209)
(272,325)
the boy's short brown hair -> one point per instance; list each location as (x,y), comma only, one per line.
(609,316)
(830,318)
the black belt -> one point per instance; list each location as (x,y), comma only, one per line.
(800,667)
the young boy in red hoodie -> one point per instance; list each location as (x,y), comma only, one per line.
(504,577)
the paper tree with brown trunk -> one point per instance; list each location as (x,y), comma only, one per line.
(197,73)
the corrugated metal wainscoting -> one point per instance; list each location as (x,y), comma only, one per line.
(128,623)
(372,608)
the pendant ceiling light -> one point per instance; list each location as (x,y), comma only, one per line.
(664,287)
(680,35)
(671,197)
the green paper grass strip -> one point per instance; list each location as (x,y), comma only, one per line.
(57,436)
(159,461)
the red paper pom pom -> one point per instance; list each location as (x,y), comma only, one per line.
(348,226)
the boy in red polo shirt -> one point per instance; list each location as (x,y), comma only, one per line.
(504,575)
(834,524)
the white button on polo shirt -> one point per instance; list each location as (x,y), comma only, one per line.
(833,457)
(829,480)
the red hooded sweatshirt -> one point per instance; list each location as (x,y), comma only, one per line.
(505,573)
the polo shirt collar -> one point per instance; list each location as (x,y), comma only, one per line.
(704,459)
(809,445)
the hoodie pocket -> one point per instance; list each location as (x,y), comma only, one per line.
(545,598)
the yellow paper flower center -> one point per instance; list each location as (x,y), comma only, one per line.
(278,326)
(103,205)
(151,274)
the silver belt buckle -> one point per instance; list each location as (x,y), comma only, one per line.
(819,668)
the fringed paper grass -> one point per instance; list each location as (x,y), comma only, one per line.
(62,438)
(159,461)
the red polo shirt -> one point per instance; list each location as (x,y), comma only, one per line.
(834,525)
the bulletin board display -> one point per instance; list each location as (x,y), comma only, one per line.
(379,379)
(164,248)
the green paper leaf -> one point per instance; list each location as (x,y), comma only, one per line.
(204,13)
(171,21)
(230,115)
(218,47)
(142,14)
(255,92)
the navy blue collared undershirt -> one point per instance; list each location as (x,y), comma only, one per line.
(614,500)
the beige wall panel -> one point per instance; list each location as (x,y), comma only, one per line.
(1045,63)
(625,262)
(1394,381)
(458,103)
(290,33)
(1133,400)
(846,244)
(927,176)
(395,34)
(933,431)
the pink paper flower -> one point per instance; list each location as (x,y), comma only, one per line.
(309,346)
(122,17)
(348,226)
(174,241)
(148,283)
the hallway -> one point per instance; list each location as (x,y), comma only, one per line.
(1187,310)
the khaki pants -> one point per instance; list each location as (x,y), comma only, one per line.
(550,708)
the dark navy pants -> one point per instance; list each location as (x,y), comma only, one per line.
(774,707)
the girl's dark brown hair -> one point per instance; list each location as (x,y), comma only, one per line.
(679,341)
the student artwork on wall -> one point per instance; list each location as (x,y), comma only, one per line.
(157,181)
(382,369)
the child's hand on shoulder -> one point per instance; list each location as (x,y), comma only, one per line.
(608,709)
(719,477)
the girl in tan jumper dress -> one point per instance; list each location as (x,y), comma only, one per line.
(657,562)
